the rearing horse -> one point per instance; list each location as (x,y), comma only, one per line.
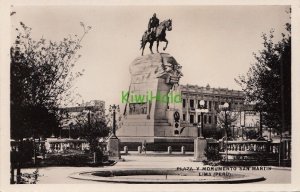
(159,35)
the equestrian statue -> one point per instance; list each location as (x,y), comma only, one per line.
(156,32)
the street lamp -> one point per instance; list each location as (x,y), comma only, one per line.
(225,109)
(200,142)
(113,109)
(203,110)
(113,142)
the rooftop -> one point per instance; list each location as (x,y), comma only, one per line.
(210,90)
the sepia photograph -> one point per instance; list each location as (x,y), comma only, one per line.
(156,95)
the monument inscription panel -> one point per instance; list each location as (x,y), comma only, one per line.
(137,108)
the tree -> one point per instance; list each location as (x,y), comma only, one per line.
(92,127)
(226,122)
(93,132)
(268,81)
(41,81)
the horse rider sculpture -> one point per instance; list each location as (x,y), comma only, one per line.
(156,32)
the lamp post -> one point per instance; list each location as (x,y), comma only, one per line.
(113,109)
(203,109)
(113,143)
(199,130)
(200,143)
(225,108)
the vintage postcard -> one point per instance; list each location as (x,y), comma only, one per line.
(141,96)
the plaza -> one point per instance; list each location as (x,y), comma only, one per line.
(61,175)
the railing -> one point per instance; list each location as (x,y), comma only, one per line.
(60,145)
(282,148)
(39,148)
(243,146)
(250,150)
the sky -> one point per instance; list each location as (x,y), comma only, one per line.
(214,44)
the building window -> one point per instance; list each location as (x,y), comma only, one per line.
(191,118)
(183,103)
(209,105)
(192,103)
(216,120)
(183,117)
(205,120)
(209,119)
(199,118)
(176,132)
(216,105)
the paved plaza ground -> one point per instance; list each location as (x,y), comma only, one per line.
(60,175)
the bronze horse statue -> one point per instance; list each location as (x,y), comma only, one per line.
(158,35)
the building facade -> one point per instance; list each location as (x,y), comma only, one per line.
(95,109)
(213,98)
(182,120)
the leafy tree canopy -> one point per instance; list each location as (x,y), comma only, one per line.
(268,81)
(41,81)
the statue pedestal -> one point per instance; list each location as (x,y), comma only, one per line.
(113,147)
(200,145)
(154,79)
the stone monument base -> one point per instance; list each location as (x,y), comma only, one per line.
(200,145)
(113,148)
(158,143)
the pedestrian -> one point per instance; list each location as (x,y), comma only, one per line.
(144,149)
